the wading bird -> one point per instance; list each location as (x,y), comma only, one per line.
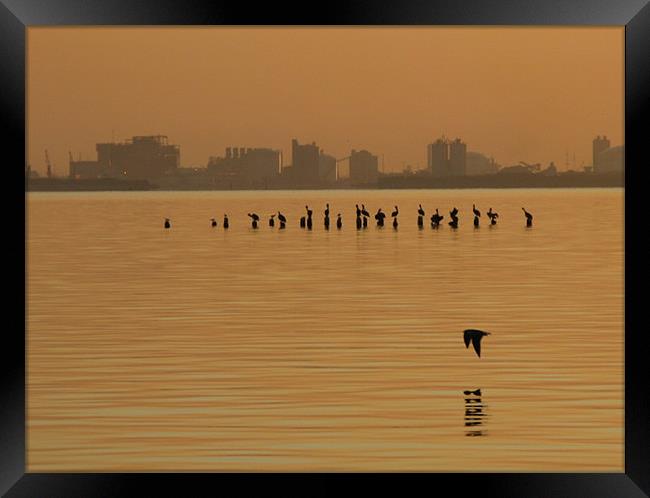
(255,219)
(529,218)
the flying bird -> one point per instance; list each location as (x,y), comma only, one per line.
(475,337)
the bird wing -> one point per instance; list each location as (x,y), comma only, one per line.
(476,342)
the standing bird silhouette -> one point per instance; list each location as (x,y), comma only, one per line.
(493,215)
(475,337)
(326,221)
(394,215)
(255,219)
(364,211)
(339,222)
(477,215)
(214,222)
(380,218)
(420,210)
(282,219)
(436,218)
(271,220)
(529,218)
(167,223)
(454,219)
(225,221)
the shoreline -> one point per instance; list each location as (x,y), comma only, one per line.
(565,180)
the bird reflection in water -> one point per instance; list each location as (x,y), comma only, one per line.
(474,413)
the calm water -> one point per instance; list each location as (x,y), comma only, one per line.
(203,349)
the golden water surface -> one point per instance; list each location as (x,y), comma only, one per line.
(201,349)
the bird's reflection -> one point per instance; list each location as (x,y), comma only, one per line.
(474,413)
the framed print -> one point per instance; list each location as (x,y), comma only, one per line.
(366,240)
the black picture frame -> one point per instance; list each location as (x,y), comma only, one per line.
(17,15)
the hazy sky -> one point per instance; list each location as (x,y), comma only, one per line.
(528,93)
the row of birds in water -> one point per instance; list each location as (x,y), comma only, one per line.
(363,215)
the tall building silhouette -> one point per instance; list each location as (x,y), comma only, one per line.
(305,162)
(364,168)
(447,158)
(326,168)
(599,145)
(457,157)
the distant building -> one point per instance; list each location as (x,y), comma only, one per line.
(246,164)
(305,162)
(611,160)
(457,157)
(364,168)
(447,158)
(438,157)
(599,145)
(550,171)
(141,158)
(326,168)
(480,164)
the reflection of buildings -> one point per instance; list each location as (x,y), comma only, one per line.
(246,164)
(447,158)
(364,168)
(141,158)
(474,413)
(607,159)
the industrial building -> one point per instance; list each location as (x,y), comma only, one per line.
(140,158)
(327,172)
(447,158)
(480,164)
(305,162)
(607,159)
(364,168)
(246,164)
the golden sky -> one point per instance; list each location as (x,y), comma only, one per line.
(514,93)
